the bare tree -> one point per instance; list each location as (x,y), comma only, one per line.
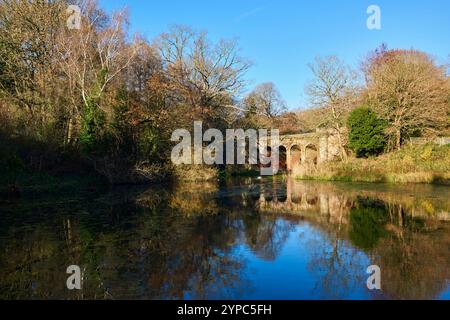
(205,75)
(92,57)
(333,88)
(409,91)
(265,100)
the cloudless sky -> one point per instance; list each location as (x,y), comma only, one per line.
(281,37)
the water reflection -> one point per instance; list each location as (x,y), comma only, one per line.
(255,239)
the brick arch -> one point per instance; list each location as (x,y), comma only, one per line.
(311,155)
(305,151)
(295,156)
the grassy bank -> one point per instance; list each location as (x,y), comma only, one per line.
(412,164)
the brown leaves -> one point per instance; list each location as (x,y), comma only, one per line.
(408,90)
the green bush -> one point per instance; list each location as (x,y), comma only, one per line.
(366,132)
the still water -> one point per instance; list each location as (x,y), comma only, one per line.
(241,239)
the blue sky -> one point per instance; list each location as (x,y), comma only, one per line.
(282,37)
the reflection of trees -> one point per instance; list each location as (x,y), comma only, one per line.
(414,256)
(25,265)
(367,224)
(152,244)
(194,199)
(164,243)
(402,231)
(125,250)
(187,255)
(412,252)
(265,235)
(338,266)
(416,266)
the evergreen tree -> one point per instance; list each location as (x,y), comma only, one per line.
(366,132)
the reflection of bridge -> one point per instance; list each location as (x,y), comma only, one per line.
(306,199)
(301,153)
(326,202)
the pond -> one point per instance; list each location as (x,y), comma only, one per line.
(271,238)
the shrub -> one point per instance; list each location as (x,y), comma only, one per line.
(366,132)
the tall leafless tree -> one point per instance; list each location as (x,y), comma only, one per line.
(265,100)
(205,75)
(409,91)
(334,88)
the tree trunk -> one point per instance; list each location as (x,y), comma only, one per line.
(69,131)
(344,155)
(398,139)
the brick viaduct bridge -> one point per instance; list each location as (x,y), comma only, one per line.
(301,153)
